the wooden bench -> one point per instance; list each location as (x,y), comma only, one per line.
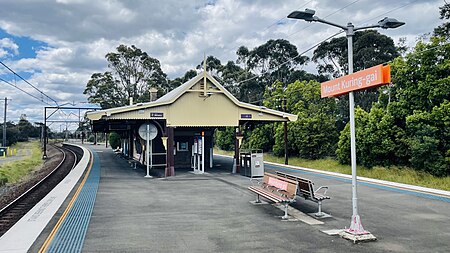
(306,190)
(275,189)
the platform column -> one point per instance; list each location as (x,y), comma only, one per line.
(170,168)
(237,143)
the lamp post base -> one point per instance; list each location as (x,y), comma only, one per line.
(355,238)
(356,232)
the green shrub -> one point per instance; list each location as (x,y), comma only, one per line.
(225,138)
(114,140)
(429,139)
(379,142)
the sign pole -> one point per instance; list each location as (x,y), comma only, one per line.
(151,154)
(356,227)
(148,152)
(203,152)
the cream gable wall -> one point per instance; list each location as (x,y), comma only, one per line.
(193,110)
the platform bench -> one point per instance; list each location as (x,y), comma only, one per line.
(275,189)
(306,190)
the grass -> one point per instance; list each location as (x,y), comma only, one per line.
(393,174)
(14,171)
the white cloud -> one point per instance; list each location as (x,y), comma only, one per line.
(78,34)
(8,47)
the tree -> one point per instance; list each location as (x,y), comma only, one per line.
(370,48)
(444,29)
(213,65)
(132,73)
(314,134)
(430,139)
(378,140)
(180,80)
(421,79)
(274,60)
(409,125)
(224,138)
(103,90)
(12,133)
(26,130)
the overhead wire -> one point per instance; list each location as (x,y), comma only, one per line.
(293,58)
(315,45)
(27,82)
(29,94)
(307,50)
(395,9)
(284,17)
(330,14)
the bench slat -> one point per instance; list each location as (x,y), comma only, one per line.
(305,187)
(267,194)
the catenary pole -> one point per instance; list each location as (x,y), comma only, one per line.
(4,123)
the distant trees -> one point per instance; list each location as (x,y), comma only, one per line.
(271,61)
(444,29)
(132,73)
(21,131)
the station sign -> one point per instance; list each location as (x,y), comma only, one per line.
(156,114)
(364,79)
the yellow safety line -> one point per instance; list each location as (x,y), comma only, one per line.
(52,234)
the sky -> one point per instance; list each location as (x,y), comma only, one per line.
(56,45)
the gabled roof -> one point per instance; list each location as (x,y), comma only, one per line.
(176,93)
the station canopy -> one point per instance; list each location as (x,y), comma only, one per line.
(200,102)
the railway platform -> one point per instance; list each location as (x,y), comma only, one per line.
(212,213)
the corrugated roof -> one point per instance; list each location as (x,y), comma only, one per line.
(173,95)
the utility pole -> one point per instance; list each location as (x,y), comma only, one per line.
(4,123)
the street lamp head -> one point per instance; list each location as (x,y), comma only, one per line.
(307,15)
(386,23)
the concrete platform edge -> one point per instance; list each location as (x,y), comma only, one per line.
(27,229)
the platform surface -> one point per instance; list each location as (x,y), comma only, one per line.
(213,213)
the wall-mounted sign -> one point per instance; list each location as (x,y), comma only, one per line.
(246,116)
(156,114)
(364,79)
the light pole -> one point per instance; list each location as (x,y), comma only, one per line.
(356,231)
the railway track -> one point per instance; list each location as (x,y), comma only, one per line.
(13,211)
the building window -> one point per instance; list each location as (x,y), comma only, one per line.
(182,146)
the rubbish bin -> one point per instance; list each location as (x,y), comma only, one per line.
(3,151)
(252,163)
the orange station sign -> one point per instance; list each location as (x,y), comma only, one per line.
(364,79)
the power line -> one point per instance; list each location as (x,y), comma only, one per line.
(293,58)
(22,90)
(284,17)
(331,14)
(23,79)
(395,9)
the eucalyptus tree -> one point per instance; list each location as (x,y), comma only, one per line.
(131,74)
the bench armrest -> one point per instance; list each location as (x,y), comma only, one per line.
(255,181)
(320,188)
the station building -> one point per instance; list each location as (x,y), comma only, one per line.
(181,124)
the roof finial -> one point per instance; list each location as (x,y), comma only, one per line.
(204,62)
